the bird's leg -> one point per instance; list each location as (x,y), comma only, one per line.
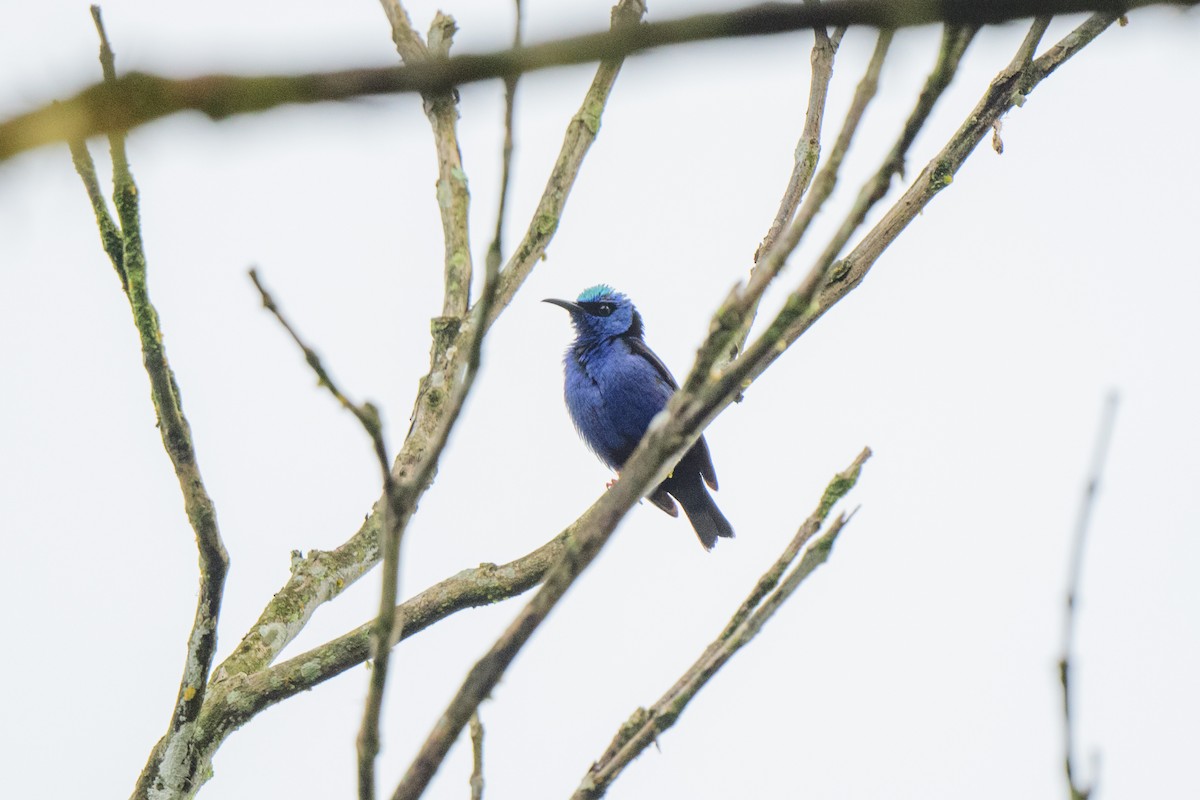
(613,482)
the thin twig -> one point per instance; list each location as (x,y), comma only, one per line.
(367,416)
(122,241)
(581,133)
(1075,569)
(770,260)
(476,757)
(496,249)
(441,107)
(954,44)
(1008,89)
(644,726)
(251,688)
(808,154)
(703,396)
(808,149)
(110,233)
(138,98)
(322,575)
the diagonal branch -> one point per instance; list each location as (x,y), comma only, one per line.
(138,98)
(644,726)
(234,703)
(704,395)
(1008,89)
(323,575)
(808,154)
(122,241)
(701,399)
(741,306)
(808,149)
(774,252)
(393,516)
(236,696)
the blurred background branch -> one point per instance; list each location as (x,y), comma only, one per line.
(138,98)
(1108,421)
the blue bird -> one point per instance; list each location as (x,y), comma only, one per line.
(614,386)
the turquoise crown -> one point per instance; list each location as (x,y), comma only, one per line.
(593,293)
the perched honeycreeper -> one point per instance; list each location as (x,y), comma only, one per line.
(615,384)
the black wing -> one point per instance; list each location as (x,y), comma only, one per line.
(699,450)
(638,345)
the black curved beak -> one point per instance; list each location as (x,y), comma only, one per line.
(574,308)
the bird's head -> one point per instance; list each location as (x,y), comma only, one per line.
(601,312)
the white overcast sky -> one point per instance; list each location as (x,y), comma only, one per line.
(918,663)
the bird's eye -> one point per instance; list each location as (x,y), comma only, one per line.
(604,309)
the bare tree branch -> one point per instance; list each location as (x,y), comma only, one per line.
(476,757)
(643,727)
(367,416)
(243,684)
(246,683)
(701,399)
(808,149)
(1091,490)
(441,107)
(138,98)
(323,575)
(742,305)
(1007,89)
(496,249)
(808,154)
(773,253)
(235,702)
(581,132)
(123,243)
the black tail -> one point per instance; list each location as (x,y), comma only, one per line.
(700,508)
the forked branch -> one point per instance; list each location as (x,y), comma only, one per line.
(771,591)
(122,241)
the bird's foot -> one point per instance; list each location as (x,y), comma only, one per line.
(611,483)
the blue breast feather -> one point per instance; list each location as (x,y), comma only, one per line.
(612,394)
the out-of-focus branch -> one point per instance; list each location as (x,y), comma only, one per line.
(1091,490)
(138,98)
(644,726)
(476,757)
(122,241)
